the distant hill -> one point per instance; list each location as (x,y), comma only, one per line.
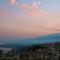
(52,38)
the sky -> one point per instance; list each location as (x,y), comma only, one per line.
(29,18)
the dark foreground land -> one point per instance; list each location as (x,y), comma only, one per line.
(38,52)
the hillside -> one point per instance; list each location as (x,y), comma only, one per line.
(53,38)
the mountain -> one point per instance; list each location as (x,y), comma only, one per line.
(52,38)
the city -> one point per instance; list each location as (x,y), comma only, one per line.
(39,52)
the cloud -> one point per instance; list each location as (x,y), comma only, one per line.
(13,1)
(39,3)
(36,3)
(36,11)
(25,6)
(32,10)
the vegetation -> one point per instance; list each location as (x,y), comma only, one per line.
(38,52)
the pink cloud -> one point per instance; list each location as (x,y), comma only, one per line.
(31,10)
(13,1)
(25,6)
(34,10)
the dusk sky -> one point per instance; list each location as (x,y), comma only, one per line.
(29,18)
